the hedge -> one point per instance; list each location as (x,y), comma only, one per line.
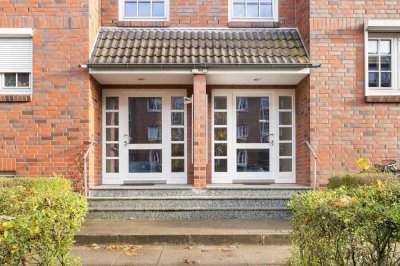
(39,218)
(361,179)
(347,226)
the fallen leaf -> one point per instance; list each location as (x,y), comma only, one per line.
(113,247)
(133,250)
(94,246)
(191,262)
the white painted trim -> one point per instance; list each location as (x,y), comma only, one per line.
(165,146)
(121,12)
(274,18)
(231,174)
(209,71)
(382,25)
(16,32)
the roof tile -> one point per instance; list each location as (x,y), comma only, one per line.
(198,46)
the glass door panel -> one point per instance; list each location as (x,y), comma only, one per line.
(252,134)
(145,127)
(145,120)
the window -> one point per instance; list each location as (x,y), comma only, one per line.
(380,62)
(15,61)
(382,57)
(16,80)
(264,10)
(143,9)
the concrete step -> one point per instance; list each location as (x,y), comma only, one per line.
(173,191)
(150,203)
(192,231)
(190,213)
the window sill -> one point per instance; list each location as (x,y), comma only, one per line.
(382,99)
(16,98)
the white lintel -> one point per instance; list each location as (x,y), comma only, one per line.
(383,25)
(16,32)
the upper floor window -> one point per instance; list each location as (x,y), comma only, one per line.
(380,63)
(143,9)
(382,76)
(15,61)
(253,10)
(382,57)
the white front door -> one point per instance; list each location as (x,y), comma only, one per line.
(253,136)
(151,140)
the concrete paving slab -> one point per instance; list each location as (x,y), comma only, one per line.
(233,255)
(225,231)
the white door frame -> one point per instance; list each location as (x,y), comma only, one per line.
(274,173)
(124,175)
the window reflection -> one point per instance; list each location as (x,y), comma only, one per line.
(145,120)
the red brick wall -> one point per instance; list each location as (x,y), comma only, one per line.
(45,135)
(343,125)
(303,131)
(303,20)
(95,129)
(196,13)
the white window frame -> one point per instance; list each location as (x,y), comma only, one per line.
(274,18)
(383,30)
(122,17)
(17,90)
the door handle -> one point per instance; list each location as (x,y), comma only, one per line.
(126,142)
(271,141)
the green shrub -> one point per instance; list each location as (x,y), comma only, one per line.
(38,221)
(356,226)
(361,179)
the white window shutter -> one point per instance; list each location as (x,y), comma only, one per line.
(15,54)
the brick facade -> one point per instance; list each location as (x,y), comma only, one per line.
(47,132)
(197,13)
(343,125)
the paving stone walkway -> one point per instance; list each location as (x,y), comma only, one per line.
(136,255)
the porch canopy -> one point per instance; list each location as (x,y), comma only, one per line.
(173,55)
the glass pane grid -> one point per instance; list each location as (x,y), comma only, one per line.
(144,8)
(252,9)
(178,147)
(380,63)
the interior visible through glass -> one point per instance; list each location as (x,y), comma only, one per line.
(145,120)
(145,161)
(252,119)
(252,160)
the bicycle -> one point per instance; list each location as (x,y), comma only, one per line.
(389,166)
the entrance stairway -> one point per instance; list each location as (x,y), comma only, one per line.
(184,202)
